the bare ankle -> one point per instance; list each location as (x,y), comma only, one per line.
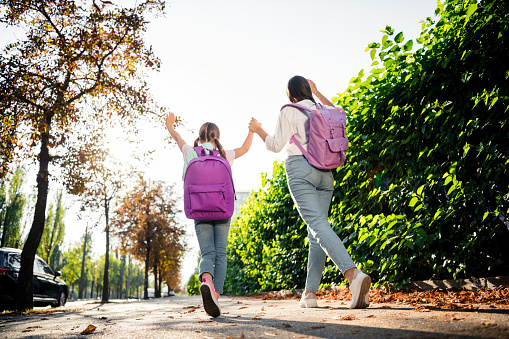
(349,274)
(207,276)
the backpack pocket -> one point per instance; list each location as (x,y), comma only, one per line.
(337,144)
(207,198)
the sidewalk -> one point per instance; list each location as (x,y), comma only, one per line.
(247,317)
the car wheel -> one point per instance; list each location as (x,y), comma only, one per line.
(61,299)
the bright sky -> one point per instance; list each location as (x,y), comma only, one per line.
(226,61)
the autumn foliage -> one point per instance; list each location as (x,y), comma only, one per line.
(146,219)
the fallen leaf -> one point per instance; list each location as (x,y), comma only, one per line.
(191,310)
(421,309)
(263,308)
(345,317)
(316,326)
(370,316)
(256,318)
(286,325)
(241,336)
(89,330)
(198,331)
(242,307)
(488,323)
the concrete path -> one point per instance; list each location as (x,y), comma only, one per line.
(243,317)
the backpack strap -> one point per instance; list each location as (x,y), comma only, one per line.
(201,151)
(301,108)
(306,111)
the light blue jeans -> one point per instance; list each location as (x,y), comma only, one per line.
(213,239)
(311,190)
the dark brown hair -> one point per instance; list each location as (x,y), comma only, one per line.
(210,132)
(298,89)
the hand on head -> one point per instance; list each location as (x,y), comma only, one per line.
(312,85)
(254,125)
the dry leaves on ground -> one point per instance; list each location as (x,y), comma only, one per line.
(437,298)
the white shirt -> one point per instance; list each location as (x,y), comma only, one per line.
(291,121)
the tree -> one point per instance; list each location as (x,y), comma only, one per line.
(53,234)
(72,265)
(12,203)
(73,51)
(146,218)
(97,178)
(86,252)
(427,180)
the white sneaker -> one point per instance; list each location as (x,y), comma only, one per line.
(309,301)
(360,290)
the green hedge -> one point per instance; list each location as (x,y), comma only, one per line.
(426,179)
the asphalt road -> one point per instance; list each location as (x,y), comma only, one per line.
(243,317)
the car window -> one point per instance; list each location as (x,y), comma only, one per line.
(14,260)
(39,266)
(46,268)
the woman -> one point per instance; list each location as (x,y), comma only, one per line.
(311,190)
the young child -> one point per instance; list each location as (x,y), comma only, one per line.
(212,234)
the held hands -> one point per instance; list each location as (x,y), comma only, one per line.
(254,125)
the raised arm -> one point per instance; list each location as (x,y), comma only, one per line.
(170,120)
(319,95)
(245,146)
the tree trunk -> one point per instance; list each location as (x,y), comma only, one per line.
(82,277)
(4,223)
(92,290)
(147,262)
(138,286)
(105,296)
(156,285)
(160,281)
(122,270)
(128,274)
(25,288)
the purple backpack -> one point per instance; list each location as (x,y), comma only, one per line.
(327,142)
(208,187)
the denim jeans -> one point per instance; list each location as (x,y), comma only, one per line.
(213,239)
(311,190)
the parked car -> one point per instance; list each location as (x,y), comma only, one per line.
(48,288)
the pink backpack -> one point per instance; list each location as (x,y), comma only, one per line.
(327,142)
(208,187)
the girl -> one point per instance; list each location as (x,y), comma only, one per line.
(311,190)
(212,234)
